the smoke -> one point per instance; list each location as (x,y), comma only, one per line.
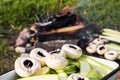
(81,3)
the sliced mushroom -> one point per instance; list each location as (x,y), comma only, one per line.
(26,66)
(102,49)
(39,54)
(98,41)
(91,48)
(104,40)
(72,51)
(111,55)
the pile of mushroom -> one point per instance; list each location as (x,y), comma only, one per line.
(98,46)
(30,63)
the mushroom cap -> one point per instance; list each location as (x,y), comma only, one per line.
(26,66)
(39,54)
(72,51)
(56,62)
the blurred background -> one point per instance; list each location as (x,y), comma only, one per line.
(17,14)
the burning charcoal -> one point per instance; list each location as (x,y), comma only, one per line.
(55,44)
(57,36)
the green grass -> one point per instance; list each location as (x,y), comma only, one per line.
(17,13)
(7,57)
(105,13)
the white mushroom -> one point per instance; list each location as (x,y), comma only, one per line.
(72,51)
(102,49)
(58,52)
(76,76)
(20,49)
(111,55)
(56,62)
(26,66)
(91,48)
(39,54)
(98,41)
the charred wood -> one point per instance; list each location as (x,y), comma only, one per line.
(59,21)
(87,34)
(38,17)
